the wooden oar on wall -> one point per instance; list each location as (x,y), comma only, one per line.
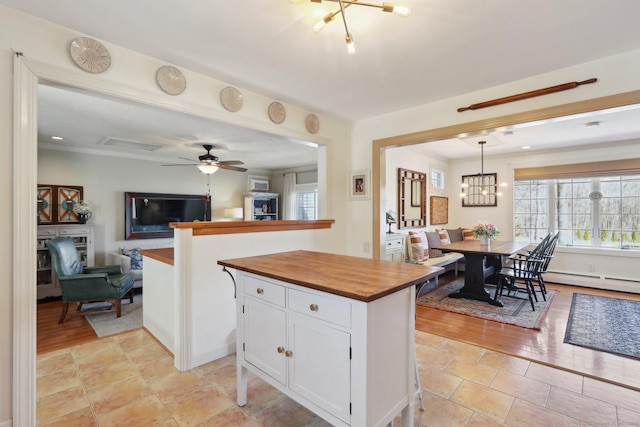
(526,95)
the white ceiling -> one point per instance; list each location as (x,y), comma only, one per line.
(444,49)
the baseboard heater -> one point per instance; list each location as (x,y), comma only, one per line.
(594,281)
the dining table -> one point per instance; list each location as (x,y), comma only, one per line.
(474,253)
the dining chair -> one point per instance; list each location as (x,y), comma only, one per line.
(522,273)
(547,257)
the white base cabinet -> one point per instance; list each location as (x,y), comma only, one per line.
(350,362)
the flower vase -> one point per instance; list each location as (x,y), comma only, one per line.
(484,240)
(83,218)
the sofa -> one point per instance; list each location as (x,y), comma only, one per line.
(131,262)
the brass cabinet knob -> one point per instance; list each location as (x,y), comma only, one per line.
(313,307)
(260,291)
(288,353)
(280,349)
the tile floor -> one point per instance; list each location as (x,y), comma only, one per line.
(129,380)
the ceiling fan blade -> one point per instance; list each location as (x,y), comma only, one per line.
(231,162)
(231,168)
(188,160)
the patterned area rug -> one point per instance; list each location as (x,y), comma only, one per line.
(108,324)
(516,311)
(605,324)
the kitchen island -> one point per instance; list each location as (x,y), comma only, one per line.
(333,332)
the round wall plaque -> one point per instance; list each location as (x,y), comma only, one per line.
(277,113)
(231,99)
(90,55)
(171,80)
(312,123)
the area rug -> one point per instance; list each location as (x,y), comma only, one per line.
(108,324)
(516,311)
(604,323)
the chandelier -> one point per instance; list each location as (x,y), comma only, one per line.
(403,11)
(481,185)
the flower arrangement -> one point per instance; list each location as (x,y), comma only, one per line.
(82,208)
(485,229)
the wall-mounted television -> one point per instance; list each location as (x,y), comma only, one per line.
(147,215)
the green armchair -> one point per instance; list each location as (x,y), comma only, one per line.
(87,284)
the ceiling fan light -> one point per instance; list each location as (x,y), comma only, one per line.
(208,169)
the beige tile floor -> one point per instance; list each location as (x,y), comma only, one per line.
(129,380)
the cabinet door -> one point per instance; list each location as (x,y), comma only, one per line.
(320,364)
(264,334)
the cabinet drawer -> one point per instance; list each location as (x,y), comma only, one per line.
(320,307)
(75,231)
(47,233)
(395,244)
(263,290)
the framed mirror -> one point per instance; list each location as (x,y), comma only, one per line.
(412,205)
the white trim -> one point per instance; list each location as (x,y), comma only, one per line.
(25,165)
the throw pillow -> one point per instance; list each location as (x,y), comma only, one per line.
(444,237)
(467,234)
(136,258)
(455,235)
(419,249)
(433,239)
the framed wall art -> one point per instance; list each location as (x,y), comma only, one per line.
(438,210)
(359,185)
(56,202)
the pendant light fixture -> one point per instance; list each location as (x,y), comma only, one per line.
(403,11)
(483,185)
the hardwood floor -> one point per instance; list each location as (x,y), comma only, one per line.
(544,346)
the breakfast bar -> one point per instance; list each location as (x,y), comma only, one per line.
(333,332)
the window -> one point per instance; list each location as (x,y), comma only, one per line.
(598,211)
(437,179)
(306,201)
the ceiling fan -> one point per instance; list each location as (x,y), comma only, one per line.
(210,164)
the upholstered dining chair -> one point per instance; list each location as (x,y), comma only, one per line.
(87,284)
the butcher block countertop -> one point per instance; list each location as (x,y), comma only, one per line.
(161,254)
(361,279)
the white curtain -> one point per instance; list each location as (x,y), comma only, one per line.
(289,196)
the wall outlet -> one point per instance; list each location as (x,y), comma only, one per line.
(366,247)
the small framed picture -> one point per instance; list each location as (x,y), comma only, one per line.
(359,185)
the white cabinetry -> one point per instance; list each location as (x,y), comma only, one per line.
(82,235)
(328,352)
(395,247)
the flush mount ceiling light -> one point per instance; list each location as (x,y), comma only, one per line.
(403,11)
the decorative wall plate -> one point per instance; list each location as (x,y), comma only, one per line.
(90,55)
(171,80)
(231,99)
(312,123)
(277,113)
